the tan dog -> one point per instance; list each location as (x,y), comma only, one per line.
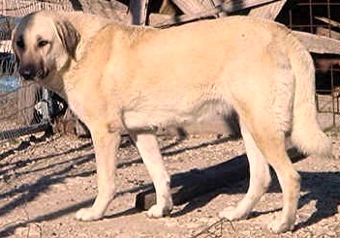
(119,77)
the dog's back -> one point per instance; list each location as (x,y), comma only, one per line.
(212,67)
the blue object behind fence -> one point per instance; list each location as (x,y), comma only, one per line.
(9,84)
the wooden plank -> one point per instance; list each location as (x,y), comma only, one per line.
(188,185)
(268,11)
(328,21)
(327,33)
(318,44)
(190,6)
(156,19)
(226,7)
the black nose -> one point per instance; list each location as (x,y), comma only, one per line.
(27,73)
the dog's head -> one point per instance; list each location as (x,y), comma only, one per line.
(44,45)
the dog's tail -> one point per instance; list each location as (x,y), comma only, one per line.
(306,133)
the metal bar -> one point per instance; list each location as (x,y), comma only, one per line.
(14,133)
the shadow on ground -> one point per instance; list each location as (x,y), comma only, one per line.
(322,187)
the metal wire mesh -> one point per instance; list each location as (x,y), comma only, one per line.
(320,17)
(8,83)
(20,102)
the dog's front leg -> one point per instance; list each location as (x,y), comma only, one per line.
(105,146)
(149,150)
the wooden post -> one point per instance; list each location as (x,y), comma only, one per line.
(138,9)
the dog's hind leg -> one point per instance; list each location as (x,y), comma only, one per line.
(149,150)
(259,180)
(271,142)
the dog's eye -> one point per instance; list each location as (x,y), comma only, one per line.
(20,44)
(42,43)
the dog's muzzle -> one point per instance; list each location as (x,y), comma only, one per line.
(27,73)
(30,72)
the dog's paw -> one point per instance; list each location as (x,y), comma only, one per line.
(88,214)
(277,226)
(232,214)
(158,211)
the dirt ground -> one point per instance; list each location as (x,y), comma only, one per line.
(44,181)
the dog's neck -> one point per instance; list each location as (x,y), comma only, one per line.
(68,74)
(78,21)
(93,22)
(92,25)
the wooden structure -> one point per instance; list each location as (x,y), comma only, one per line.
(194,10)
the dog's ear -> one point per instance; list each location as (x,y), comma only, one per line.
(14,44)
(69,36)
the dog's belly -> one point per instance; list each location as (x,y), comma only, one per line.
(162,117)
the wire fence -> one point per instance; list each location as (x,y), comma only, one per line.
(19,101)
(320,18)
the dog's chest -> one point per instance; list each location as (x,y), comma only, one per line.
(77,103)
